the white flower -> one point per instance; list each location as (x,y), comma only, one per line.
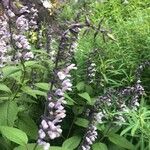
(67,83)
(10,13)
(59,92)
(44,124)
(51,104)
(61,115)
(18,45)
(46,146)
(99,117)
(52,126)
(83,148)
(47,4)
(61,75)
(52,134)
(136,104)
(28,56)
(59,130)
(22,23)
(70,67)
(62,100)
(126,2)
(88,140)
(24,9)
(42,134)
(93,64)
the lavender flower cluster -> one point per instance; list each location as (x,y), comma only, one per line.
(12,34)
(121,100)
(91,132)
(140,69)
(91,68)
(91,72)
(68,43)
(23,24)
(4,42)
(95,117)
(49,127)
(90,137)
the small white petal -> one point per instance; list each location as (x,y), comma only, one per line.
(44,124)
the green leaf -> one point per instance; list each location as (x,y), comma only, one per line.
(8,111)
(32,146)
(112,146)
(126,130)
(14,135)
(9,70)
(120,141)
(80,86)
(57,148)
(29,91)
(105,77)
(29,147)
(4,144)
(114,129)
(30,63)
(43,86)
(38,92)
(25,98)
(4,88)
(86,96)
(111,36)
(12,112)
(89,89)
(99,146)
(77,109)
(16,76)
(27,124)
(2,99)
(82,122)
(135,127)
(40,67)
(69,100)
(72,142)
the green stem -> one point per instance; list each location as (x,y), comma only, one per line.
(107,131)
(35,146)
(142,142)
(22,80)
(71,127)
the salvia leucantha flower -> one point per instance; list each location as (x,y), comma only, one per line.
(4,41)
(68,43)
(50,128)
(22,23)
(91,132)
(121,100)
(91,67)
(48,38)
(17,41)
(13,42)
(91,71)
(140,69)
(39,38)
(29,18)
(90,137)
